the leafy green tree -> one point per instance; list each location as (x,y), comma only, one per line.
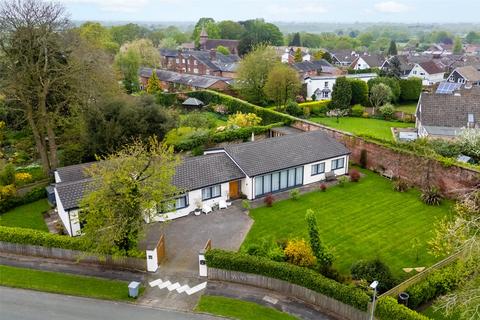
(230,30)
(168,43)
(282,84)
(243,120)
(392,50)
(297,57)
(394,69)
(341,94)
(129,185)
(296,42)
(380,94)
(392,83)
(127,33)
(473,37)
(258,32)
(98,35)
(223,50)
(128,64)
(324,257)
(318,55)
(457,46)
(366,39)
(359,92)
(153,84)
(410,89)
(149,55)
(328,57)
(252,73)
(209,25)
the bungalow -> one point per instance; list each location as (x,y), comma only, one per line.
(428,71)
(315,68)
(251,170)
(322,86)
(468,75)
(446,112)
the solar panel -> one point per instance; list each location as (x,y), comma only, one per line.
(448,87)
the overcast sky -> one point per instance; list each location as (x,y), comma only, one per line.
(277,10)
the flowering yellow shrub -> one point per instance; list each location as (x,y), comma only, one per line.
(298,252)
(7,191)
(243,120)
(23,176)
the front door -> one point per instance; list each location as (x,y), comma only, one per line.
(234,189)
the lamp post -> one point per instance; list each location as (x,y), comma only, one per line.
(374,286)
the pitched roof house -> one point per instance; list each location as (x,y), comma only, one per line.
(315,68)
(206,44)
(468,75)
(367,61)
(429,71)
(443,115)
(253,169)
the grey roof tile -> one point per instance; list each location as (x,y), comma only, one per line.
(73,173)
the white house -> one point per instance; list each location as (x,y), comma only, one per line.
(322,86)
(367,61)
(251,170)
(428,71)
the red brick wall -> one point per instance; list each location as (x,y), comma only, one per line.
(451,180)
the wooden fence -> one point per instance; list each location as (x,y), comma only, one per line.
(327,304)
(395,291)
(122,263)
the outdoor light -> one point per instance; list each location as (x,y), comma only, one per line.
(374,286)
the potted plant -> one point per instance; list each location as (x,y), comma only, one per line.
(198,206)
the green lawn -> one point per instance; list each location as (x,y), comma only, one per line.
(64,283)
(361,220)
(363,126)
(27,216)
(407,107)
(238,309)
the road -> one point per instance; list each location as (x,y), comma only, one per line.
(29,305)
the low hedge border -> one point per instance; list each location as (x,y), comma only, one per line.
(31,196)
(388,308)
(41,238)
(304,277)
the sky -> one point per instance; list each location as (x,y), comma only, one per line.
(408,11)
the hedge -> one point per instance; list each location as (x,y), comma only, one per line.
(388,308)
(410,89)
(235,105)
(41,238)
(31,196)
(316,107)
(438,283)
(304,277)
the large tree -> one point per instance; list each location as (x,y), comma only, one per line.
(258,32)
(380,94)
(282,84)
(253,72)
(128,187)
(341,94)
(47,70)
(230,30)
(392,49)
(207,24)
(128,32)
(98,35)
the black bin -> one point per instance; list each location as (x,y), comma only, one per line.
(403,298)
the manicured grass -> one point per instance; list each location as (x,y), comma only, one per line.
(220,120)
(238,309)
(363,126)
(64,283)
(407,107)
(27,216)
(361,220)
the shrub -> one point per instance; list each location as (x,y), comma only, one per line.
(269,199)
(293,109)
(387,111)
(299,253)
(392,83)
(23,177)
(342,181)
(410,89)
(246,204)
(294,194)
(276,253)
(41,238)
(14,201)
(359,92)
(373,270)
(243,120)
(324,257)
(323,187)
(363,158)
(357,110)
(279,270)
(317,108)
(400,185)
(389,309)
(431,196)
(7,175)
(354,175)
(198,151)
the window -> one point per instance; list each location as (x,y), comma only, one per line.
(211,192)
(181,202)
(318,168)
(461,80)
(338,163)
(471,118)
(195,70)
(278,181)
(195,62)
(414,71)
(177,60)
(325,94)
(326,84)
(183,60)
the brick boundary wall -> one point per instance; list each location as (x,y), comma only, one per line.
(452,180)
(329,305)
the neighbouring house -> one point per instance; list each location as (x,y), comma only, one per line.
(444,113)
(343,58)
(206,44)
(200,62)
(440,49)
(322,86)
(251,170)
(315,68)
(173,81)
(468,75)
(287,54)
(472,49)
(428,71)
(367,61)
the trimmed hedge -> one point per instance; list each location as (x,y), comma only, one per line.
(31,196)
(41,238)
(235,105)
(284,271)
(388,308)
(316,107)
(438,283)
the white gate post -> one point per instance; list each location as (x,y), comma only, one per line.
(152,260)
(202,264)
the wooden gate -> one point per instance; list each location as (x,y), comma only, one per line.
(161,249)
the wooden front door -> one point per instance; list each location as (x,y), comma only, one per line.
(234,189)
